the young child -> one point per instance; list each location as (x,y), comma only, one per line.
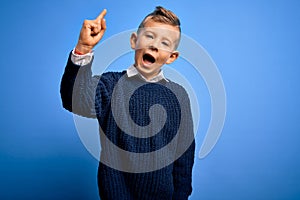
(146,128)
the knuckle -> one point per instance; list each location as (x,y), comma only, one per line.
(85,22)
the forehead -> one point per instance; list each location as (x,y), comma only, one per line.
(163,29)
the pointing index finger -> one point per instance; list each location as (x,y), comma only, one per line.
(102,14)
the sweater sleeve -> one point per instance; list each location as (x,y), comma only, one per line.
(78,88)
(182,169)
(182,174)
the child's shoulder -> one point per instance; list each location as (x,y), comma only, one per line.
(111,75)
(178,89)
(176,86)
(109,79)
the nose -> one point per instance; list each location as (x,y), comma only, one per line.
(153,45)
(153,48)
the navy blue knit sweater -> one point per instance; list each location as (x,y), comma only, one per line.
(167,173)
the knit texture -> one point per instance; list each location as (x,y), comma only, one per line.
(102,97)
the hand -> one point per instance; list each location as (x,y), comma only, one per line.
(91,33)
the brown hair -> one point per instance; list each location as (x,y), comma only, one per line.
(162,15)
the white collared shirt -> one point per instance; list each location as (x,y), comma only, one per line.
(132,71)
(85,59)
(81,60)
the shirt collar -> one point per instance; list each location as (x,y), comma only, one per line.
(132,71)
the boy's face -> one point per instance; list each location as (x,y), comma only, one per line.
(154,46)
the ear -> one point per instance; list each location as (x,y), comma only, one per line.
(133,40)
(174,55)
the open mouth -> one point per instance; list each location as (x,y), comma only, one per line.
(148,58)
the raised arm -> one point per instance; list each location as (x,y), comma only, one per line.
(78,86)
(91,33)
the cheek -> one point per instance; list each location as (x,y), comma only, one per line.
(141,44)
(164,57)
(138,54)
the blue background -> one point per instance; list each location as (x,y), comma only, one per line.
(255,45)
